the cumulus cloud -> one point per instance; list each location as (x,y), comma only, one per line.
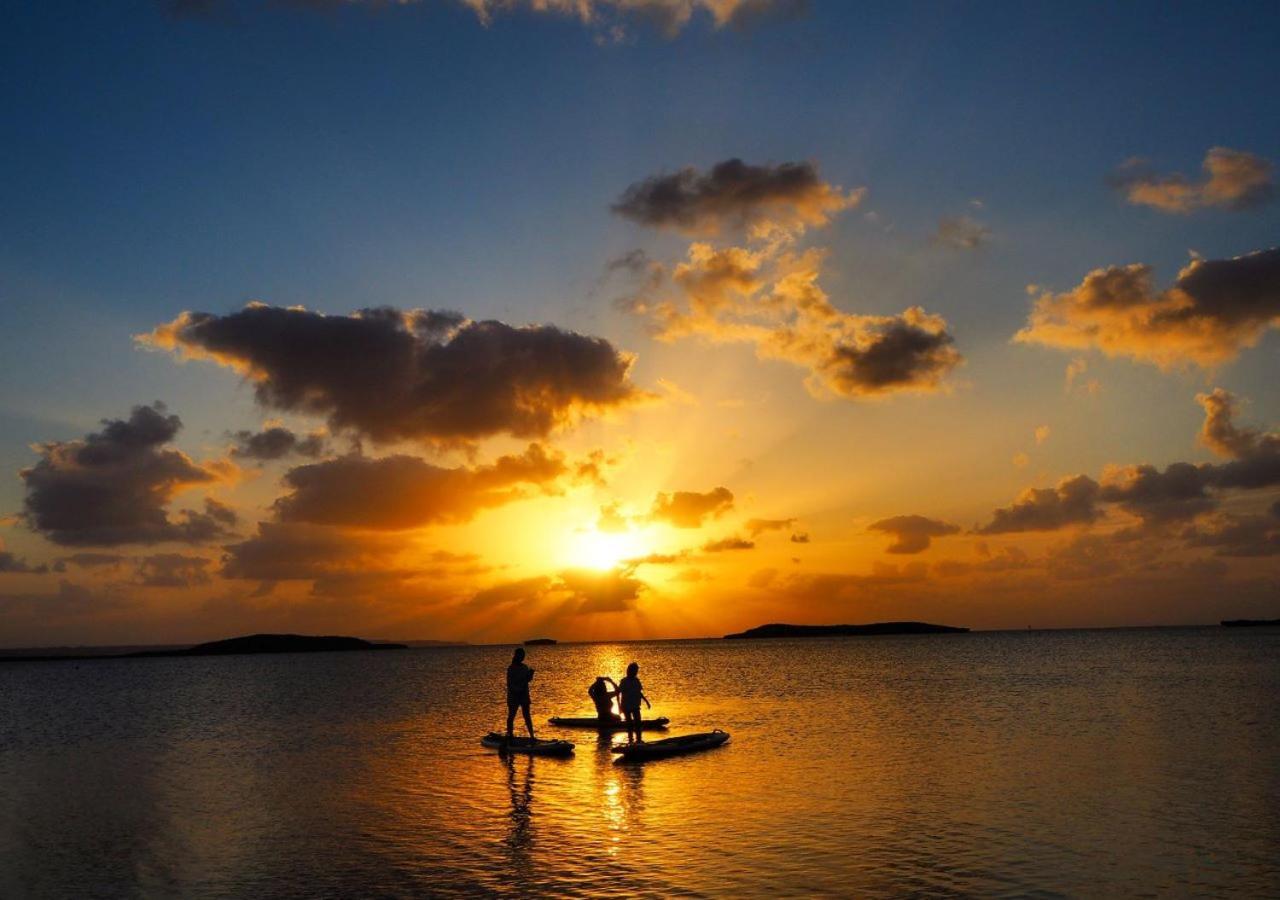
(800,537)
(1073,502)
(175,570)
(729,543)
(89,560)
(401,492)
(961,233)
(1214,309)
(392,375)
(733,194)
(689,509)
(595,592)
(276,442)
(1254,454)
(770,297)
(114,486)
(1178,493)
(913,534)
(1233,179)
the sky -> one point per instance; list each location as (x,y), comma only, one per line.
(484,320)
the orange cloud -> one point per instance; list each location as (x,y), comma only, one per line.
(1233,179)
(1215,309)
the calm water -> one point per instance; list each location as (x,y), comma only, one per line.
(1079,763)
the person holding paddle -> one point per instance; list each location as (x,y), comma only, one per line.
(630,693)
(518,677)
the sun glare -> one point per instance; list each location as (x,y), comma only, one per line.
(592,549)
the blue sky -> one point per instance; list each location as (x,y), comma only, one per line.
(411,156)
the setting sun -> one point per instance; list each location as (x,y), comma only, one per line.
(594,549)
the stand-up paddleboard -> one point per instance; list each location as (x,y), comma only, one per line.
(538,747)
(674,746)
(658,724)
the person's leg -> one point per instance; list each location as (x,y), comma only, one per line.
(639,725)
(630,718)
(528,718)
(511,717)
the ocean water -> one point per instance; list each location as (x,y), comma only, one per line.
(1041,763)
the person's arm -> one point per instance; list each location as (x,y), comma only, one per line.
(647,704)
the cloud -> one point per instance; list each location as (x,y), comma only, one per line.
(175,570)
(913,534)
(735,195)
(757,527)
(1239,536)
(800,537)
(689,509)
(13,565)
(610,19)
(1233,179)
(770,297)
(961,233)
(1254,454)
(114,486)
(596,592)
(416,375)
(1175,494)
(401,492)
(276,442)
(1042,434)
(729,543)
(1073,502)
(94,560)
(1215,309)
(301,552)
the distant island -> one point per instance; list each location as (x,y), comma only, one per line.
(248,644)
(1250,623)
(539,642)
(779,630)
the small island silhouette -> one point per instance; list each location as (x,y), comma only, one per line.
(539,642)
(780,630)
(1250,623)
(246,644)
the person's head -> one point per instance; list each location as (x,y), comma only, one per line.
(600,679)
(633,670)
(518,656)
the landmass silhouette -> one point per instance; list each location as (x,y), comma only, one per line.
(778,629)
(247,644)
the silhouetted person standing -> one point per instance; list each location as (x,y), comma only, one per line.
(630,693)
(518,677)
(602,697)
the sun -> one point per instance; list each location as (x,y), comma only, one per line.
(593,549)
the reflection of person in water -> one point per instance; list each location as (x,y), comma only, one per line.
(602,697)
(518,677)
(519,838)
(630,693)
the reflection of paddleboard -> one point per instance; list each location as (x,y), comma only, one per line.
(659,723)
(539,747)
(674,746)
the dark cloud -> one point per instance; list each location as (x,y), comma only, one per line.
(175,570)
(611,20)
(800,537)
(1215,309)
(689,509)
(1176,494)
(729,543)
(10,564)
(1073,502)
(1235,535)
(734,194)
(1254,454)
(913,534)
(597,592)
(400,492)
(113,486)
(94,560)
(393,375)
(277,442)
(961,233)
(757,527)
(300,552)
(1233,179)
(901,353)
